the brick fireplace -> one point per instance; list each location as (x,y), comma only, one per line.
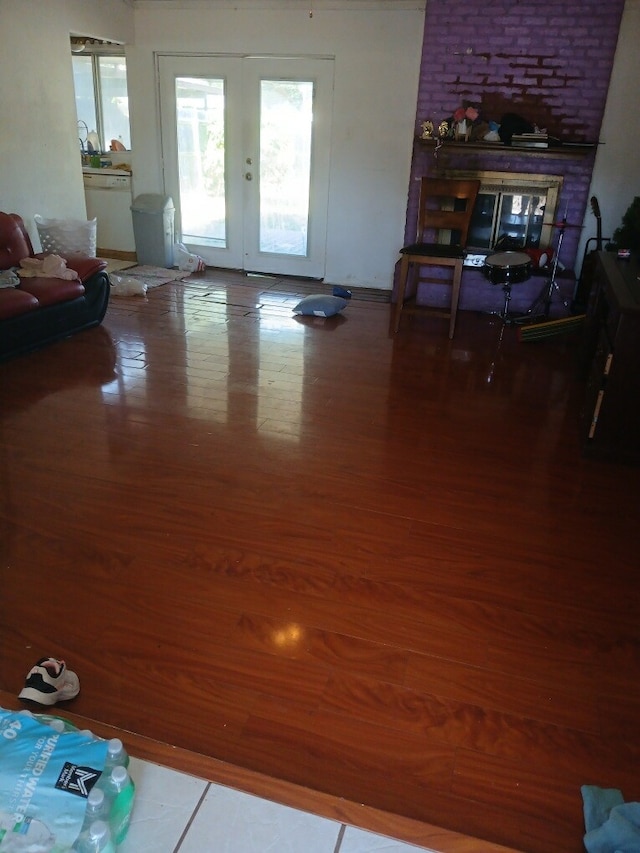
(549,63)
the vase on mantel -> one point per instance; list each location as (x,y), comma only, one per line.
(462,131)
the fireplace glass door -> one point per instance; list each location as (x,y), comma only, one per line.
(515,216)
(518,206)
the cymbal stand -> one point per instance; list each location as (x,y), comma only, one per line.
(540,307)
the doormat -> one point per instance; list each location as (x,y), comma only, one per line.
(154,276)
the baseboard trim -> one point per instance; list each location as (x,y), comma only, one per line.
(114,253)
(436,839)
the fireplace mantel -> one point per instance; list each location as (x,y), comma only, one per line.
(573,149)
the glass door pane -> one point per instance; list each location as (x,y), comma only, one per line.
(483,219)
(521,218)
(286,112)
(516,216)
(200,115)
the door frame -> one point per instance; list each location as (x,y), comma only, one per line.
(242,144)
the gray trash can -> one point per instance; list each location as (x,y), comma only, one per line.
(153,229)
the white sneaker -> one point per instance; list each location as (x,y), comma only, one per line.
(49,681)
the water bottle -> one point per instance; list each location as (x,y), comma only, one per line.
(116,755)
(97,808)
(88,734)
(95,839)
(120,792)
(59,724)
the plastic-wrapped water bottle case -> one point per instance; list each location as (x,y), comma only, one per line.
(94,771)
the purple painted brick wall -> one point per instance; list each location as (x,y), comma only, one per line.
(549,62)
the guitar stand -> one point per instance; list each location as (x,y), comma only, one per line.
(583,285)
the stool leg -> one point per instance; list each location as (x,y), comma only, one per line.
(402,286)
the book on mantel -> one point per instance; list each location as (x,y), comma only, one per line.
(533,140)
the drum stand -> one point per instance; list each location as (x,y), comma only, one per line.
(508,268)
(504,314)
(507,318)
(540,307)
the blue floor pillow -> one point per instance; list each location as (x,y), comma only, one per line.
(320,305)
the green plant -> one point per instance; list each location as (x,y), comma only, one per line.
(627,236)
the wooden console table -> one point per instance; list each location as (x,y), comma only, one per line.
(610,423)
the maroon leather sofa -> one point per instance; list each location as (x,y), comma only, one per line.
(41,310)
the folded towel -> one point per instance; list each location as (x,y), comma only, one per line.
(597,804)
(612,826)
(51,266)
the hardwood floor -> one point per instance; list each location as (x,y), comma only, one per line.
(374,567)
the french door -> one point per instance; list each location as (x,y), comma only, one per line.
(246,144)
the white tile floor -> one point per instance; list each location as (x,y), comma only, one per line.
(178,813)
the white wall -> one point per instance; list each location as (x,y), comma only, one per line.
(616,176)
(40,165)
(377,49)
(377,54)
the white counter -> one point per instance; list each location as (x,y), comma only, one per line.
(89,170)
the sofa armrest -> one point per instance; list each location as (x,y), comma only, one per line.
(85,267)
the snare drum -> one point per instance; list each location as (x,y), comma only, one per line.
(507,268)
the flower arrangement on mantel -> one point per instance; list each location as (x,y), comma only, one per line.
(465,125)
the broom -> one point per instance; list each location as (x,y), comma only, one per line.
(538,331)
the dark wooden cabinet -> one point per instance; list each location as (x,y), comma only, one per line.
(610,423)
